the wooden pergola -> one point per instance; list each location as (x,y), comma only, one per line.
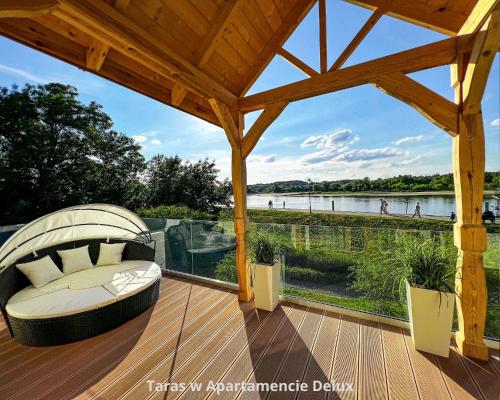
(202,56)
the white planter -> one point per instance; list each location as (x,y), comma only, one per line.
(431,318)
(266,286)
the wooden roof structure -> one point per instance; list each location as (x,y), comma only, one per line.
(202,56)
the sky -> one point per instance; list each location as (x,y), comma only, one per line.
(355,133)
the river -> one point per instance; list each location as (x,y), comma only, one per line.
(439,205)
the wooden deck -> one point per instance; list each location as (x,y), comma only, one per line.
(199,333)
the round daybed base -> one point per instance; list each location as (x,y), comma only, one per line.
(71,328)
(47,330)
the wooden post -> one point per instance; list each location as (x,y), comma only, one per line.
(469,233)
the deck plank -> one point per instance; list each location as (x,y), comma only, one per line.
(345,365)
(400,379)
(430,382)
(197,333)
(239,355)
(320,364)
(372,374)
(299,354)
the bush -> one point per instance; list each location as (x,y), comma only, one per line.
(225,270)
(327,219)
(174,212)
(312,275)
(321,259)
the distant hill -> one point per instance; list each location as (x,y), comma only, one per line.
(400,183)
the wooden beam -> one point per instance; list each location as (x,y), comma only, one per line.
(431,105)
(234,132)
(26,8)
(178,93)
(103,22)
(483,53)
(218,26)
(358,38)
(428,56)
(96,51)
(297,62)
(95,54)
(323,55)
(265,119)
(469,233)
(478,16)
(291,21)
(436,16)
(226,119)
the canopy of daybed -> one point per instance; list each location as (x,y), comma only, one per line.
(89,221)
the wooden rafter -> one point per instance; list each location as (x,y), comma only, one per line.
(216,32)
(485,46)
(323,54)
(96,51)
(178,93)
(288,25)
(431,105)
(103,22)
(477,17)
(358,38)
(225,118)
(428,56)
(26,8)
(297,62)
(268,116)
(437,17)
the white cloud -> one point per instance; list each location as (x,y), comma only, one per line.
(495,122)
(22,74)
(140,138)
(327,141)
(408,161)
(155,141)
(409,139)
(261,159)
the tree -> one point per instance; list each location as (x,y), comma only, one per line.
(57,152)
(171,181)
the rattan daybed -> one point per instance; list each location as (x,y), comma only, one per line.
(85,303)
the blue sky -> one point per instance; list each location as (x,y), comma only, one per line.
(349,134)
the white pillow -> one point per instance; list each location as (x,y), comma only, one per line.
(110,254)
(40,272)
(75,260)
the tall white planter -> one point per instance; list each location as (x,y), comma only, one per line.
(266,286)
(431,319)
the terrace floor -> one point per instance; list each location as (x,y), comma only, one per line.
(200,333)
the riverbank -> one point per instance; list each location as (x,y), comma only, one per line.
(357,213)
(447,193)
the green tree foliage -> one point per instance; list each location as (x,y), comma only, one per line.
(169,180)
(56,152)
(401,183)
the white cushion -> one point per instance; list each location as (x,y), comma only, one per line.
(60,303)
(40,272)
(110,254)
(83,290)
(75,260)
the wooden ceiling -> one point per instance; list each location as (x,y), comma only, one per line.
(184,52)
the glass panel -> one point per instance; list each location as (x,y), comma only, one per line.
(492,268)
(211,245)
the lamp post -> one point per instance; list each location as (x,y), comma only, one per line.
(309,182)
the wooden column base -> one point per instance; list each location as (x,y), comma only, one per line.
(470,349)
(245,295)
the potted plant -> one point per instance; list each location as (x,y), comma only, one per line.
(266,270)
(426,273)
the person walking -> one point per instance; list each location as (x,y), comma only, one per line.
(270,204)
(385,207)
(417,211)
(381,206)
